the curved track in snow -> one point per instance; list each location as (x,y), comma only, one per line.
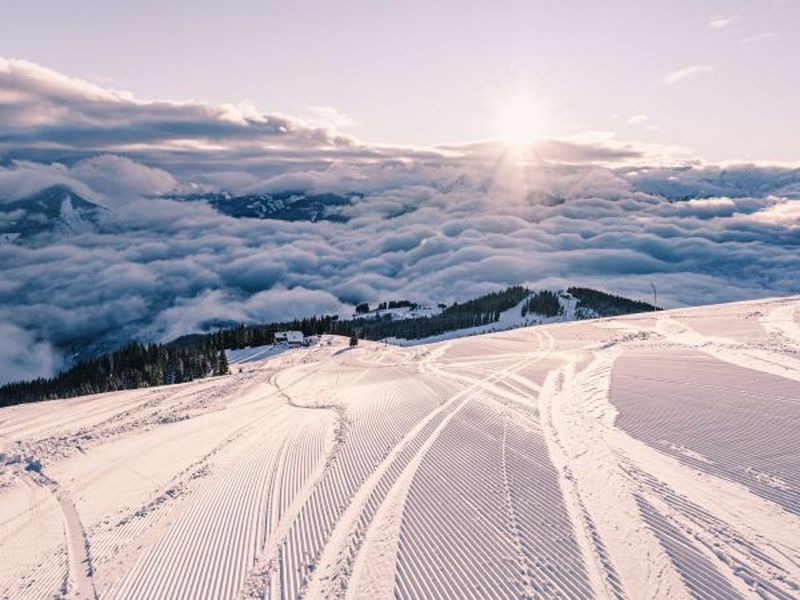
(649,456)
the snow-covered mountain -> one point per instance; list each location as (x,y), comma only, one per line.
(653,455)
(282,206)
(56,208)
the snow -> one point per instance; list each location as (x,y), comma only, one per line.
(255,353)
(647,456)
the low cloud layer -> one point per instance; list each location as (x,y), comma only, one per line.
(154,268)
(434,225)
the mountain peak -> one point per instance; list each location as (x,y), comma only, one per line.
(54,208)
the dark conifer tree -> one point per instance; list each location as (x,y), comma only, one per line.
(222,364)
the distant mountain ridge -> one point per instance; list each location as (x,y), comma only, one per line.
(56,208)
(283,206)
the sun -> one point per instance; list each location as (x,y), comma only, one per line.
(519,120)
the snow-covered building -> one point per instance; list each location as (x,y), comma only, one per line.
(293,338)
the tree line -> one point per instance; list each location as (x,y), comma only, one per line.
(593,303)
(132,366)
(544,303)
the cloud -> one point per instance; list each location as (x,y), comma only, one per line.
(580,150)
(782,212)
(721,21)
(115,175)
(22,356)
(767,35)
(686,73)
(24,178)
(107,180)
(637,119)
(330,117)
(48,118)
(42,110)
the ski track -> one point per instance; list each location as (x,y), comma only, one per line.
(376,578)
(648,456)
(80,583)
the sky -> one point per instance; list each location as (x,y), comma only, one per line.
(474,147)
(718,79)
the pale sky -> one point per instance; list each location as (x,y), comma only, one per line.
(718,77)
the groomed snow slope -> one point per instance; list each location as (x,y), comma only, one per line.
(650,456)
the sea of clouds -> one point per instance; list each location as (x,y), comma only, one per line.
(433,225)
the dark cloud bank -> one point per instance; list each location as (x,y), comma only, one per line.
(431,225)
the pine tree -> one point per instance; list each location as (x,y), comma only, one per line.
(222,364)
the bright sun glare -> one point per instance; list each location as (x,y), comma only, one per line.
(519,121)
